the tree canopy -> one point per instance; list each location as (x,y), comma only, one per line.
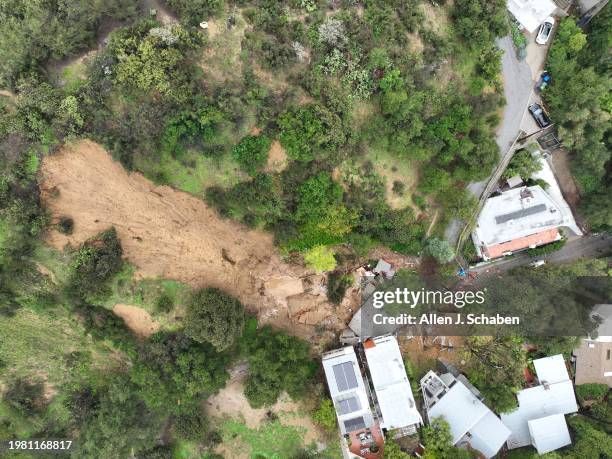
(214,317)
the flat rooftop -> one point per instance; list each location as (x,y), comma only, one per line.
(347,390)
(393,392)
(518,219)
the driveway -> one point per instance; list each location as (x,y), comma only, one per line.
(519,78)
(592,246)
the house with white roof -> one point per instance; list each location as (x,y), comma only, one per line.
(531,13)
(540,418)
(472,423)
(361,434)
(519,219)
(392,391)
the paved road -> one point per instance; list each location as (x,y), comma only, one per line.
(518,86)
(584,247)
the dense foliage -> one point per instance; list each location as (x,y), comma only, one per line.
(214,317)
(579,101)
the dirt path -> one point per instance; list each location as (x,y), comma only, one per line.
(171,234)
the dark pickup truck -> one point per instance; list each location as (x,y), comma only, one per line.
(539,115)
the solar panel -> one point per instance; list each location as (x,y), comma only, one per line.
(349,405)
(520,213)
(345,376)
(354,424)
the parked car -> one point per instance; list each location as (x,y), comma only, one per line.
(539,115)
(537,263)
(545,30)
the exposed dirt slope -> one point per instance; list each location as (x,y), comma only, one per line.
(171,234)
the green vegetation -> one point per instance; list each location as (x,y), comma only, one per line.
(252,153)
(277,363)
(437,440)
(383,117)
(325,415)
(440,250)
(523,164)
(579,101)
(320,258)
(495,365)
(214,317)
(546,249)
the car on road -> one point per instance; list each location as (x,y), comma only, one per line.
(539,115)
(545,30)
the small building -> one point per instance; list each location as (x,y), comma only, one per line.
(472,424)
(514,181)
(594,356)
(361,433)
(519,219)
(539,419)
(392,391)
(549,433)
(531,13)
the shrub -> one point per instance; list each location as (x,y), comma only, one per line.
(546,249)
(592,391)
(320,258)
(325,415)
(277,363)
(164,303)
(96,263)
(337,283)
(252,153)
(214,317)
(66,225)
(440,249)
(191,424)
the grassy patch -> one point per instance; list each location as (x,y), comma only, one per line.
(395,169)
(206,172)
(38,344)
(222,57)
(272,440)
(162,298)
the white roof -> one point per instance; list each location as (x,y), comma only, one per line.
(554,191)
(489,435)
(391,384)
(549,433)
(516,213)
(531,13)
(347,389)
(537,402)
(551,369)
(465,413)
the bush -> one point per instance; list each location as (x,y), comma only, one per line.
(277,363)
(164,303)
(325,415)
(214,317)
(96,263)
(191,424)
(440,249)
(252,153)
(592,391)
(337,283)
(320,258)
(546,249)
(65,225)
